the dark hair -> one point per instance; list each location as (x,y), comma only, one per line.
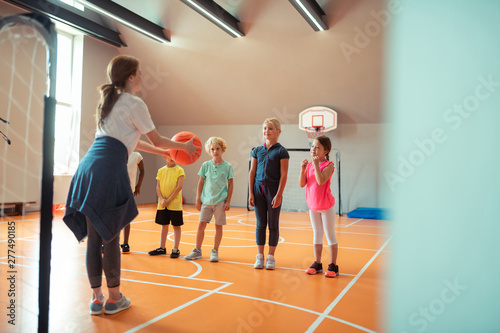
(119,70)
(326,143)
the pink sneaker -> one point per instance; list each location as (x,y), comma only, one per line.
(315,268)
(333,271)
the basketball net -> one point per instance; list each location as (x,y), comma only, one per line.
(23,67)
(313,133)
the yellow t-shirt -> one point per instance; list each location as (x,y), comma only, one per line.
(168,182)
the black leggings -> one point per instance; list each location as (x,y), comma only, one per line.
(266,215)
(96,261)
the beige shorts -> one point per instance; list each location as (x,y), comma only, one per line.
(217,211)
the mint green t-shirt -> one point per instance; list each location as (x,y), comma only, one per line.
(215,186)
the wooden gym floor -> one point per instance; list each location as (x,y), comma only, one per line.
(175,295)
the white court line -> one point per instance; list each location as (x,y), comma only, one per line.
(225,237)
(142,221)
(217,291)
(365,226)
(166,314)
(254,223)
(191,277)
(360,233)
(347,226)
(340,247)
(296,308)
(198,271)
(241,215)
(211,292)
(346,289)
(225,284)
(277,267)
(310,228)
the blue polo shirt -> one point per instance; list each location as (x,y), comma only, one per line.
(269,163)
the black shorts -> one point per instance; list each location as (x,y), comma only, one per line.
(163,217)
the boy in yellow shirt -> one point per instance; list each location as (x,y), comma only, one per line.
(170,180)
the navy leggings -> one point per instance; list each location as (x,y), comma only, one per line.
(265,214)
(109,261)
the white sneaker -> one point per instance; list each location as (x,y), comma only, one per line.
(96,306)
(259,263)
(270,264)
(214,255)
(195,254)
(113,307)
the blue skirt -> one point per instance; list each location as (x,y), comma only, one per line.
(100,190)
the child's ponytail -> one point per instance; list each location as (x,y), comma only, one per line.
(120,68)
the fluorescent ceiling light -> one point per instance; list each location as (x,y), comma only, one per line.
(312,13)
(71,18)
(126,17)
(217,15)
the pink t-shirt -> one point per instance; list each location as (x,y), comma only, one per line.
(318,197)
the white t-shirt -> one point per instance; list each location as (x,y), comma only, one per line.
(133,161)
(128,119)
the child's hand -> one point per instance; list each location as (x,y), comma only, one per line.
(137,191)
(315,160)
(198,205)
(276,202)
(250,200)
(227,206)
(164,203)
(304,163)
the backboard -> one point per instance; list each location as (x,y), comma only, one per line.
(318,118)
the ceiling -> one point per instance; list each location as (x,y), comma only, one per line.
(280,67)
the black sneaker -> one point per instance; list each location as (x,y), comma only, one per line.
(333,271)
(315,268)
(175,253)
(125,248)
(157,251)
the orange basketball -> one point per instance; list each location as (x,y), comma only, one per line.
(180,156)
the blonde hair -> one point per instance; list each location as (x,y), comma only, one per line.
(273,121)
(215,141)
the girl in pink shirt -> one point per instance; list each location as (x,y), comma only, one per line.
(316,175)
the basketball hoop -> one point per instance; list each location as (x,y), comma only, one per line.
(314,132)
(316,120)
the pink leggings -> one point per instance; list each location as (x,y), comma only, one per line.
(323,220)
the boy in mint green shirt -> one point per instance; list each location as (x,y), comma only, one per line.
(213,196)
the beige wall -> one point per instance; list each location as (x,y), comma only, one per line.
(96,57)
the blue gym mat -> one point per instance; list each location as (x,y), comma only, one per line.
(369,213)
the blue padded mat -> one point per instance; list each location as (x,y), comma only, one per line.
(369,213)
